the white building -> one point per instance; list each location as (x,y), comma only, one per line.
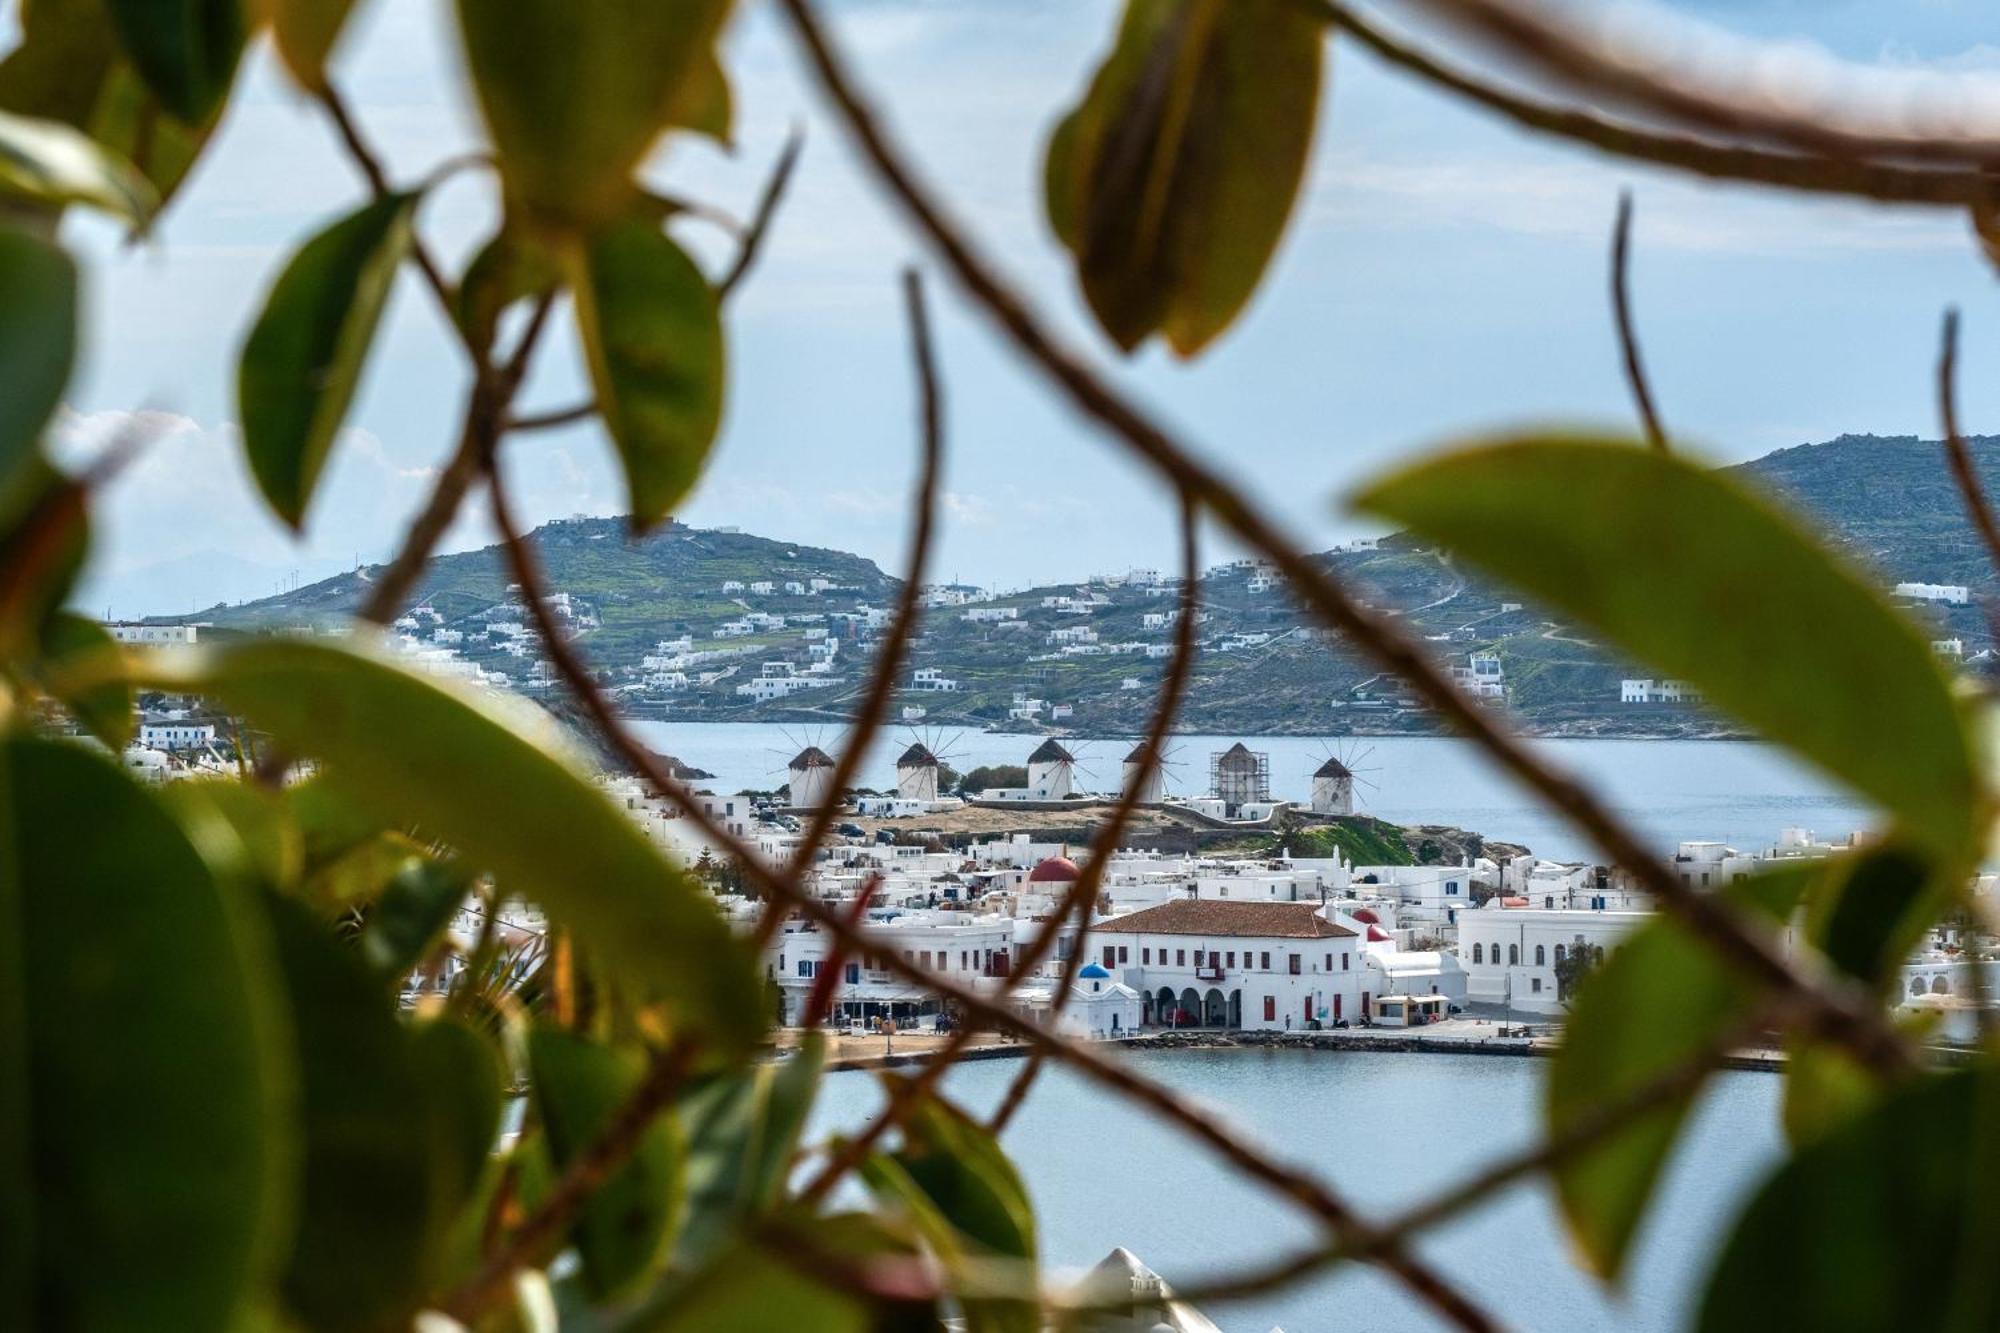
(150,636)
(176,734)
(1952,594)
(1211,963)
(1051,772)
(1510,951)
(933,680)
(917,774)
(1153,789)
(1657,692)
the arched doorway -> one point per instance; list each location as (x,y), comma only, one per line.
(1164,1006)
(1214,1009)
(1191,1002)
(1236,1009)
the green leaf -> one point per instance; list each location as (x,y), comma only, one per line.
(186,50)
(77,647)
(624,1232)
(367,1212)
(705,104)
(1887,1222)
(743,1130)
(965,1199)
(37,346)
(1700,579)
(1171,183)
(652,339)
(404,924)
(513,266)
(69,68)
(491,779)
(145,1082)
(243,829)
(1867,920)
(52,163)
(305,355)
(1660,1000)
(574,95)
(749,1287)
(305,32)
(461,1075)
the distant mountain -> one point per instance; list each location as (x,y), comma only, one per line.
(1888,500)
(1091,654)
(187,583)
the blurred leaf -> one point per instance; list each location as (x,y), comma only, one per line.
(262,846)
(130,121)
(513,266)
(48,161)
(704,104)
(965,1199)
(144,1078)
(575,95)
(329,823)
(1867,919)
(743,1129)
(77,647)
(652,338)
(1824,1088)
(1657,1002)
(305,32)
(37,346)
(1172,182)
(186,50)
(304,358)
(44,537)
(751,1286)
(1695,576)
(491,780)
(1888,1222)
(406,921)
(462,1076)
(366,1218)
(624,1232)
(70,68)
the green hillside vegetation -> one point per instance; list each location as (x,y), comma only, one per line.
(1262,668)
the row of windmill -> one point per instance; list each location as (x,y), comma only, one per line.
(1237,776)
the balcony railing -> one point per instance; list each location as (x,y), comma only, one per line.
(1208,972)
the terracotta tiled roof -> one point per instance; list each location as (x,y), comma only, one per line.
(1211,916)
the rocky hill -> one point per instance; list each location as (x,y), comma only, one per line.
(722,625)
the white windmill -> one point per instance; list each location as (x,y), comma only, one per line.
(1051,772)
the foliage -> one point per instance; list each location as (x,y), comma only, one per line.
(988,776)
(217,1109)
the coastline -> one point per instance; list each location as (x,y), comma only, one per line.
(1401,1041)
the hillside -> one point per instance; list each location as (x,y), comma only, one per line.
(721,625)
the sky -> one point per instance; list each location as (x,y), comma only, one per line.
(1443,275)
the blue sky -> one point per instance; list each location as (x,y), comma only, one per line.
(1444,274)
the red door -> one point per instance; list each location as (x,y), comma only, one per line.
(1309,1008)
(1336,1005)
(1364,1004)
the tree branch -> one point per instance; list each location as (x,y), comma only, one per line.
(767,211)
(1886,182)
(1977,507)
(1628,337)
(1841,1009)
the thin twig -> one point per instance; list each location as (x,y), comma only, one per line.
(486,407)
(767,210)
(377,177)
(584,1175)
(1172,690)
(1573,1140)
(1842,1009)
(903,625)
(1628,336)
(1977,507)
(562,416)
(1886,182)
(1079,901)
